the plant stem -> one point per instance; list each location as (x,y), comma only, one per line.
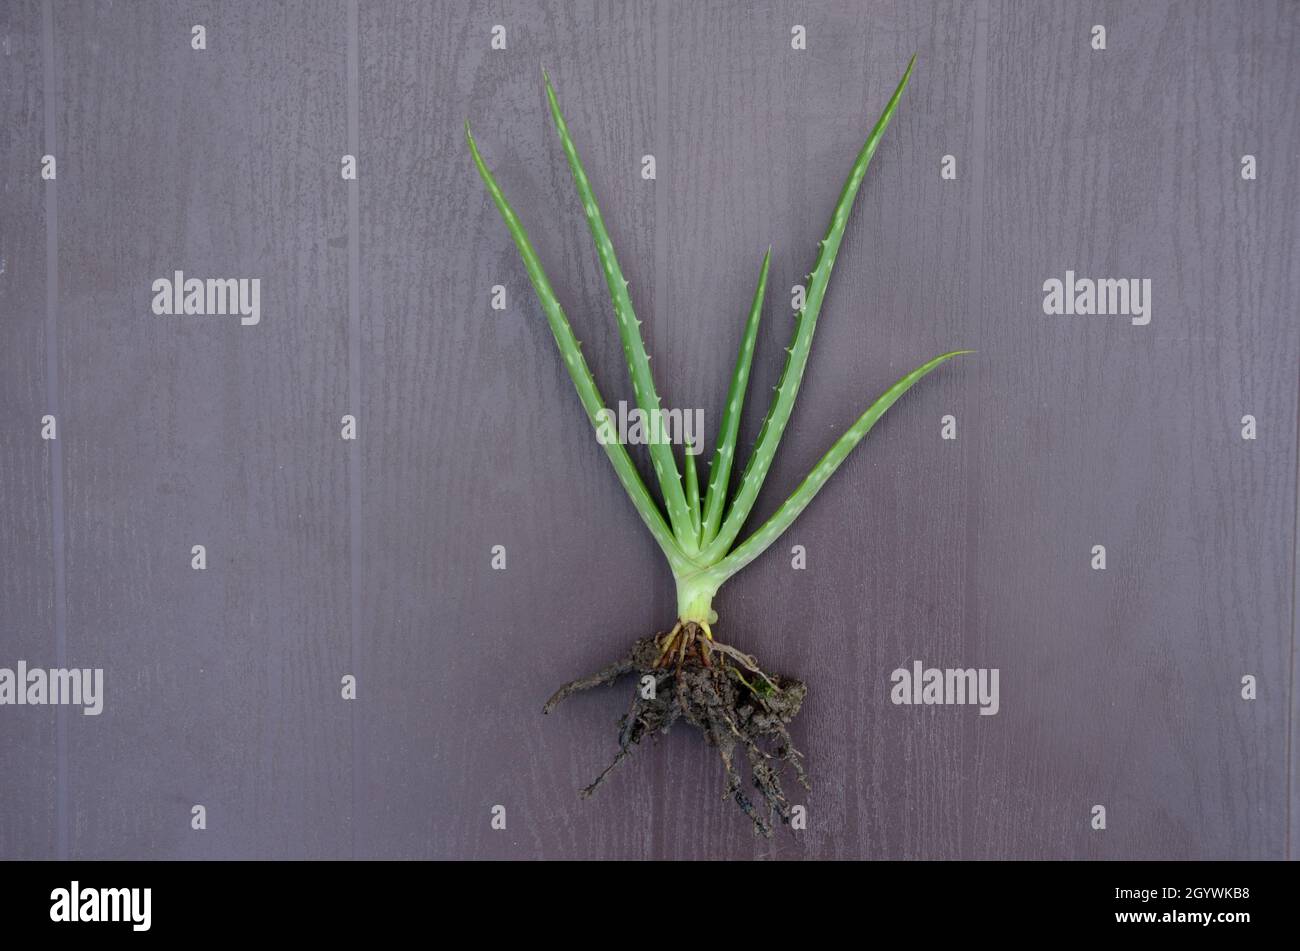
(695,593)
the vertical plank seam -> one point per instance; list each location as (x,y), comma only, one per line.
(48,96)
(1291,710)
(354,389)
(970,594)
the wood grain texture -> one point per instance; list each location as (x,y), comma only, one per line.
(1119,687)
(27,743)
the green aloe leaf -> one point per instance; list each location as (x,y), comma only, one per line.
(769,437)
(692,492)
(629,329)
(770,530)
(724,454)
(583,381)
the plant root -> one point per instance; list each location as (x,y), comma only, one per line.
(724,694)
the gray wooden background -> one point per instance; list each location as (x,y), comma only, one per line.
(1118,687)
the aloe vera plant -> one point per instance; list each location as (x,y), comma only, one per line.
(714,686)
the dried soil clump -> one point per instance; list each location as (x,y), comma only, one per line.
(725,695)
